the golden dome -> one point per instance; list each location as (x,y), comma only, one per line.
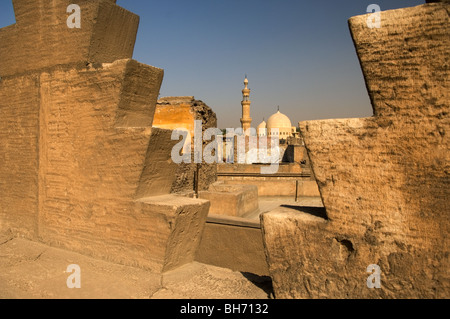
(280,121)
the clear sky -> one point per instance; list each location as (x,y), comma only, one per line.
(297,54)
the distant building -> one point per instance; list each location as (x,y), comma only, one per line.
(246,120)
(277,125)
(261,130)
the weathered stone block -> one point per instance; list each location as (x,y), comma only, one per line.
(41,38)
(231,200)
(236,247)
(79,154)
(384,180)
(176,225)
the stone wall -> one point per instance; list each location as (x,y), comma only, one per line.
(276,186)
(384,180)
(282,183)
(283,169)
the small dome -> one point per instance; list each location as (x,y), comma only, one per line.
(280,121)
(262,125)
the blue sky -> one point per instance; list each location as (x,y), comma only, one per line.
(297,54)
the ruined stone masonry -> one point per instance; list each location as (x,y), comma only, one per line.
(181,112)
(81,165)
(384,180)
(85,159)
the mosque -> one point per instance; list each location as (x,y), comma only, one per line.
(277,124)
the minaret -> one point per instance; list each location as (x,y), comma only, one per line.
(246,120)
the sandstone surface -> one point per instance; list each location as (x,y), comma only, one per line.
(82,166)
(384,180)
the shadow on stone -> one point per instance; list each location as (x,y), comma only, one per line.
(315,211)
(263,282)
